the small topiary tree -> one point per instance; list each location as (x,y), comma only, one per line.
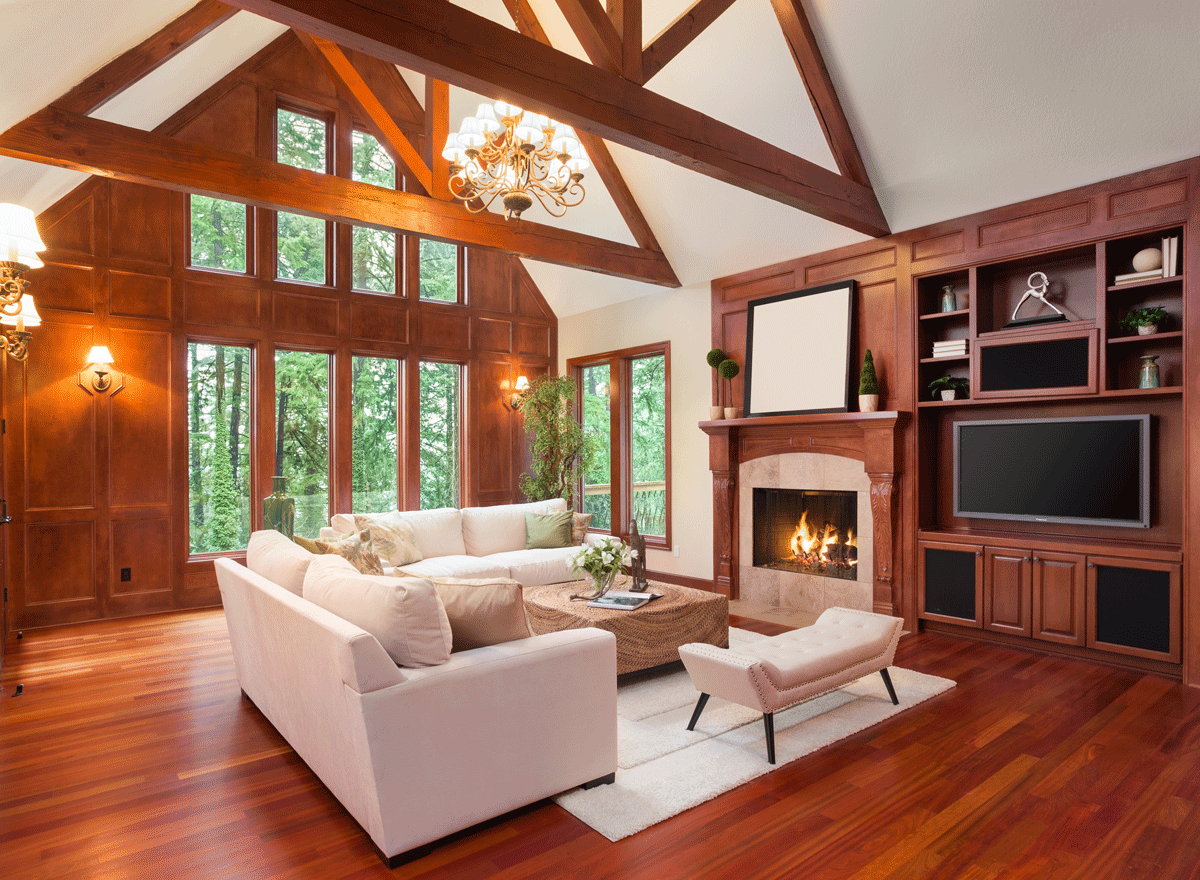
(714,358)
(561,450)
(727,370)
(867,383)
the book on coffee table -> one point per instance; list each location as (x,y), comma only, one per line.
(622,600)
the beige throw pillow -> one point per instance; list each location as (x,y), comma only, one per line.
(404,614)
(544,531)
(579,527)
(483,611)
(392,535)
(357,549)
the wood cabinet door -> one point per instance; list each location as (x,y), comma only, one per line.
(1007,591)
(1134,607)
(950,582)
(1059,598)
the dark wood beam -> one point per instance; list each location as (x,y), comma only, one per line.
(595,32)
(807,54)
(440,39)
(123,71)
(396,89)
(351,84)
(626,17)
(602,160)
(437,127)
(94,146)
(676,36)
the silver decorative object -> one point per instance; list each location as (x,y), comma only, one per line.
(1037,290)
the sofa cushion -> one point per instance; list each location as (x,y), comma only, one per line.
(548,530)
(404,614)
(488,530)
(455,566)
(393,536)
(356,548)
(438,531)
(270,554)
(483,611)
(536,567)
(579,526)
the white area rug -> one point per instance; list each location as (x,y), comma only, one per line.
(664,769)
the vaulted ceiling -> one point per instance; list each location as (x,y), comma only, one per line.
(953,108)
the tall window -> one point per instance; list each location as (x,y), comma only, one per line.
(218,231)
(374,250)
(439,271)
(441,433)
(625,407)
(302,142)
(376,449)
(302,434)
(219,447)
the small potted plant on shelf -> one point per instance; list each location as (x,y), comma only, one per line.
(868,385)
(728,370)
(1145,321)
(948,386)
(714,358)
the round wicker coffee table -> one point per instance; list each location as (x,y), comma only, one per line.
(646,636)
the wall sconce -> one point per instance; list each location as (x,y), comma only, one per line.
(19,246)
(98,376)
(520,392)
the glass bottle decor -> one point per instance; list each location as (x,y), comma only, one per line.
(949,301)
(279,509)
(1148,374)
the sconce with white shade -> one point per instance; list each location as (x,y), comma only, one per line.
(99,375)
(520,392)
(19,247)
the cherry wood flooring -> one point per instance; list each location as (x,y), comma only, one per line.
(131,754)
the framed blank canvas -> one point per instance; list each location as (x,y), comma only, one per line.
(798,351)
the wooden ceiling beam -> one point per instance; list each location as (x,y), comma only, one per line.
(437,127)
(351,84)
(125,70)
(676,36)
(94,146)
(595,32)
(440,39)
(626,17)
(807,54)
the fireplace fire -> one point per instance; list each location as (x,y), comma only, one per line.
(805,531)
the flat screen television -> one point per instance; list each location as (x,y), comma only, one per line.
(1090,471)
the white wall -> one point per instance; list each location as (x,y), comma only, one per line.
(682,317)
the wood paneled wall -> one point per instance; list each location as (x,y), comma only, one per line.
(99,482)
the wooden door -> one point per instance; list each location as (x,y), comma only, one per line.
(1059,598)
(1007,591)
(950,582)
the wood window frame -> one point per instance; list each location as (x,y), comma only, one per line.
(411,477)
(329,117)
(345,463)
(413,274)
(251,240)
(399,183)
(269,416)
(620,371)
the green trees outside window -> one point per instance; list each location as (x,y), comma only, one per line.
(374,251)
(218,234)
(648,443)
(439,271)
(441,433)
(302,142)
(597,488)
(376,440)
(218,447)
(302,434)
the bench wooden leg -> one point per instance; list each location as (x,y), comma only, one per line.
(887,680)
(696,714)
(769,725)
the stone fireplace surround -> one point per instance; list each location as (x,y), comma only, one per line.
(869,438)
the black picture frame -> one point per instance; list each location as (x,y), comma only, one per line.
(798,348)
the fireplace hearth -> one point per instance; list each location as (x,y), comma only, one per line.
(806,531)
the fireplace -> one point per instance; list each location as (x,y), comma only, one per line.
(808,531)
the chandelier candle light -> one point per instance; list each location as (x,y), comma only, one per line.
(19,246)
(517,155)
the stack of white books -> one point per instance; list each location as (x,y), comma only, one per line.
(950,348)
(1170,265)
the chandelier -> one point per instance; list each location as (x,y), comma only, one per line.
(517,155)
(19,246)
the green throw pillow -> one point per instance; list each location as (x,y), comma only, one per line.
(547,530)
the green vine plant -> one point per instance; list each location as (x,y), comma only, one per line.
(561,449)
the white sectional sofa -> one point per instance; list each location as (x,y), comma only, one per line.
(478,542)
(415,754)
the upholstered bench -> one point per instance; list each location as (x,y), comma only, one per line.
(772,674)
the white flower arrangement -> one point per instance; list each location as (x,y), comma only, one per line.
(601,562)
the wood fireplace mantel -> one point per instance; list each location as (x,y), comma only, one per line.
(872,438)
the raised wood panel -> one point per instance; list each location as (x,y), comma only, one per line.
(75,231)
(60,563)
(132,295)
(294,66)
(316,315)
(492,334)
(1059,598)
(140,419)
(1007,591)
(492,465)
(205,303)
(858,264)
(877,331)
(1039,223)
(64,287)
(144,547)
(59,421)
(529,300)
(491,280)
(444,327)
(533,340)
(1148,198)
(733,342)
(136,228)
(379,321)
(779,282)
(938,246)
(230,123)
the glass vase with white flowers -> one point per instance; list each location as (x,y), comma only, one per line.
(602,563)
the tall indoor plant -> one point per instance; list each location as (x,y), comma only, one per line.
(561,450)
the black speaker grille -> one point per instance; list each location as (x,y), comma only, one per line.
(950,583)
(1133,608)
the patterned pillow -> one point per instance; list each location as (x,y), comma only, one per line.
(392,535)
(357,549)
(579,527)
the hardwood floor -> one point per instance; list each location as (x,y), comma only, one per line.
(131,754)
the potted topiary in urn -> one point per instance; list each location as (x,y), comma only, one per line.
(868,385)
(714,358)
(728,370)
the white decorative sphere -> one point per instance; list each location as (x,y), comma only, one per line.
(1147,259)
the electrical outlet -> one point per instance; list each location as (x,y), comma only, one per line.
(676,551)
(126,574)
